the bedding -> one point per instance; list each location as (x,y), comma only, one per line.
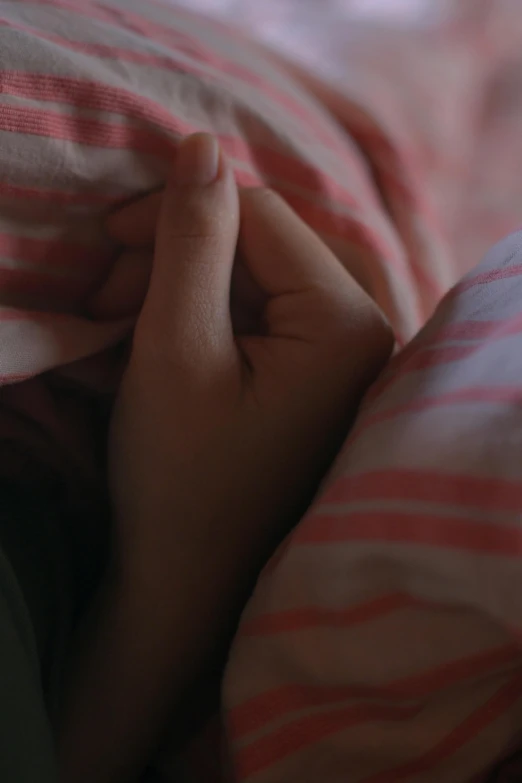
(381,641)
(93,99)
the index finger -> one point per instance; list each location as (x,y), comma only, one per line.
(282,253)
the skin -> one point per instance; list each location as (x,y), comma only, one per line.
(251,352)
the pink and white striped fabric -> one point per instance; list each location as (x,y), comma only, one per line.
(93,97)
(382,642)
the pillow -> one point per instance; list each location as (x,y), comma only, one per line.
(383,641)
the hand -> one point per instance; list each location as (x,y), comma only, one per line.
(123,292)
(223,427)
(226,420)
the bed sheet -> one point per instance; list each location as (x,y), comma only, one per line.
(399,52)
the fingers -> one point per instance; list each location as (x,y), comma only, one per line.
(123,293)
(284,256)
(312,297)
(247,302)
(186,312)
(281,252)
(195,247)
(135,224)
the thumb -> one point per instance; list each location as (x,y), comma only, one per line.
(187,309)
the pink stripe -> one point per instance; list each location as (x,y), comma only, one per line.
(83,94)
(142,26)
(421,356)
(312,729)
(86,94)
(478,330)
(415,528)
(277,703)
(437,356)
(387,151)
(291,620)
(109,135)
(44,284)
(394,171)
(51,252)
(96,96)
(395,162)
(54,198)
(505,273)
(466,732)
(191,46)
(305,177)
(309,730)
(113,53)
(508,395)
(429,358)
(349,229)
(82,130)
(479,492)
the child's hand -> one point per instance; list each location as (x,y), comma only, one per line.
(220,435)
(222,429)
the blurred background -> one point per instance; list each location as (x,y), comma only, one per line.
(317,31)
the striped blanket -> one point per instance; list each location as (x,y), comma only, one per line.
(382,641)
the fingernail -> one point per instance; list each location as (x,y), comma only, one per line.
(197,160)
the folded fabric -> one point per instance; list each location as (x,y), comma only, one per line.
(383,640)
